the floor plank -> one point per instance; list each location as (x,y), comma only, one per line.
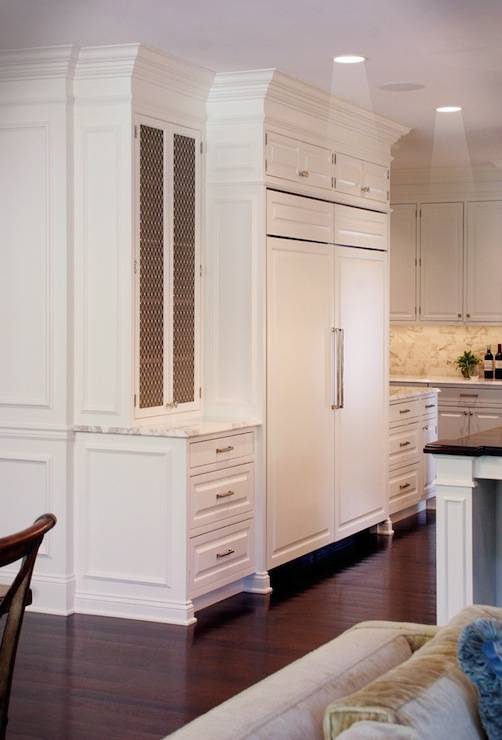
(93,677)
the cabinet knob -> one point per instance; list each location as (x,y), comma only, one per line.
(468,315)
(304,173)
(365,189)
(459,315)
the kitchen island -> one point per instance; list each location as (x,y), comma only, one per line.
(469,521)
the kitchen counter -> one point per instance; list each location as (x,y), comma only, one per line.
(488,442)
(196,428)
(445,380)
(407,392)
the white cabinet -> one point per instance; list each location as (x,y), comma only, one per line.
(300,444)
(361,310)
(441,256)
(355,177)
(483,296)
(466,412)
(167,268)
(291,159)
(358,227)
(403,262)
(299,218)
(453,422)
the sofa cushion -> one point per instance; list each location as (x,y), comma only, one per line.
(290,703)
(370,730)
(428,693)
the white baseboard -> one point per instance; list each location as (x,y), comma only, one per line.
(149,610)
(51,594)
(257,583)
(410,511)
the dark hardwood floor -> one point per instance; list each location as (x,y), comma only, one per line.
(95,677)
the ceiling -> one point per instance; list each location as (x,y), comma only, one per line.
(451,47)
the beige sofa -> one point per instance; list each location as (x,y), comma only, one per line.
(292,702)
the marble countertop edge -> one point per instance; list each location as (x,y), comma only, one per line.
(195,428)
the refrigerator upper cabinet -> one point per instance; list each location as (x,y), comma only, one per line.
(375,182)
(348,174)
(403,259)
(361,425)
(441,257)
(300,424)
(299,218)
(358,227)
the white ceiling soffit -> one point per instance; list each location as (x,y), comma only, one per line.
(451,47)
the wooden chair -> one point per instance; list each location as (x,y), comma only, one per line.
(15,598)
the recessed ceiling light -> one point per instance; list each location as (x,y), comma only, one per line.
(349,59)
(449,108)
(401,86)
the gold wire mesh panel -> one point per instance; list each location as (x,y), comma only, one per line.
(184,153)
(151,282)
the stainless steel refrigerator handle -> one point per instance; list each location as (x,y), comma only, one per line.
(339,368)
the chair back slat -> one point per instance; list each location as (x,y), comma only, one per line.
(23,545)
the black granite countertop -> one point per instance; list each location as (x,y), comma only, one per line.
(474,445)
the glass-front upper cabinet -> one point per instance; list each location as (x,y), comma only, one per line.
(167,269)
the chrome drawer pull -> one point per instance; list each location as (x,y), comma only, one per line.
(225,495)
(430,405)
(469,395)
(220,555)
(404,485)
(404,411)
(219,450)
(404,444)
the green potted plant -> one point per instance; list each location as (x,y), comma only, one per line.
(467,363)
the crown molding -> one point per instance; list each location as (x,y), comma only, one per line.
(50,62)
(272,86)
(140,63)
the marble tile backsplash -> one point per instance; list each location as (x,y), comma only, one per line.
(425,349)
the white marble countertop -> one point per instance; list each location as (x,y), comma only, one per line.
(196,428)
(445,380)
(407,392)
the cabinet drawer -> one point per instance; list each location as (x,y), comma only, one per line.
(357,227)
(404,488)
(405,444)
(429,406)
(220,557)
(405,410)
(472,397)
(221,449)
(299,218)
(217,496)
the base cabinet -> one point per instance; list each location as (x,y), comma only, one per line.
(161,522)
(413,423)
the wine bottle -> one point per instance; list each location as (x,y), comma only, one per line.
(498,363)
(488,364)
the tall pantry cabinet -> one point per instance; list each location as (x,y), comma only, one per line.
(286,268)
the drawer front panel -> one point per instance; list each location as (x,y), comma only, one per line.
(357,227)
(405,410)
(429,406)
(221,449)
(216,496)
(405,444)
(299,218)
(471,397)
(404,488)
(221,557)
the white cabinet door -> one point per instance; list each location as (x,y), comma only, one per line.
(441,252)
(453,423)
(403,260)
(480,420)
(360,227)
(296,217)
(283,156)
(483,281)
(348,174)
(375,182)
(361,426)
(300,424)
(317,166)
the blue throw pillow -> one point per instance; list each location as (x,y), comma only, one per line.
(479,653)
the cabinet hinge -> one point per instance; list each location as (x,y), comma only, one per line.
(266,139)
(420,262)
(266,165)
(388,174)
(135,132)
(135,400)
(201,270)
(200,392)
(388,195)
(420,213)
(333,158)
(420,310)
(332,182)
(202,147)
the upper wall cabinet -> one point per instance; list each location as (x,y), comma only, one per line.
(291,159)
(441,253)
(355,177)
(403,260)
(167,269)
(483,296)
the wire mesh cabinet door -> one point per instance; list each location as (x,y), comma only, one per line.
(167,267)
